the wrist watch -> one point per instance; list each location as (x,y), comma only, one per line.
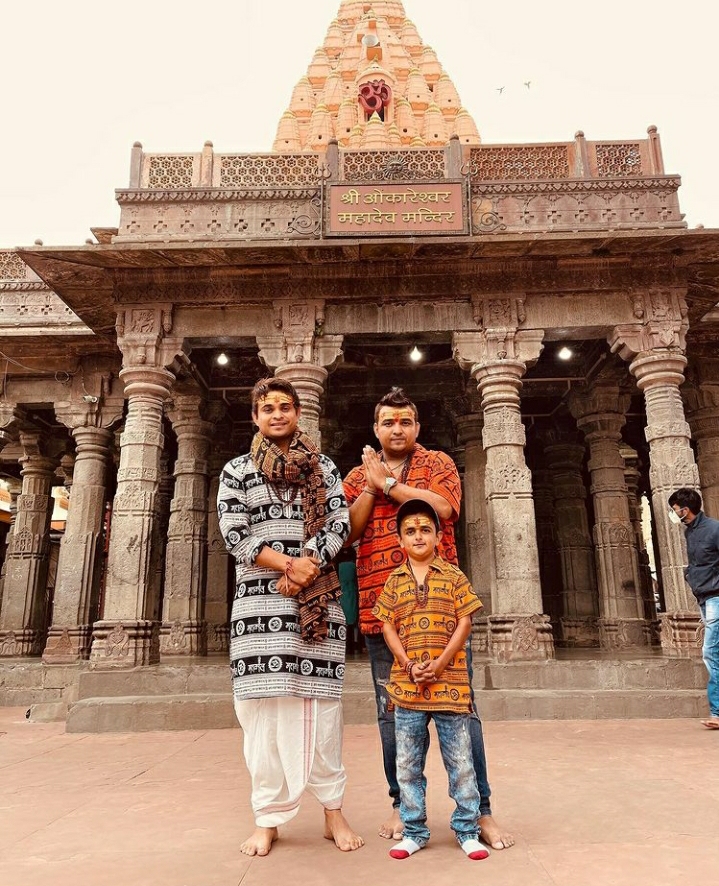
(389,484)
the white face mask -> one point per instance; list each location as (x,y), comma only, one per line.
(674,517)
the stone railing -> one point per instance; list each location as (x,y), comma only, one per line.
(568,186)
(27,306)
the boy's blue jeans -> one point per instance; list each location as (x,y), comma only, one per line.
(710,652)
(381,660)
(411,730)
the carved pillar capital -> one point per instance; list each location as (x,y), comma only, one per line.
(662,317)
(495,345)
(145,340)
(12,417)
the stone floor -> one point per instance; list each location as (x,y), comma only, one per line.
(594,802)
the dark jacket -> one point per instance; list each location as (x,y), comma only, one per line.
(702,574)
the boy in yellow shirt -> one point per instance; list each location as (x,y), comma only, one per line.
(426,608)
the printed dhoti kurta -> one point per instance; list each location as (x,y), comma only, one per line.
(268,657)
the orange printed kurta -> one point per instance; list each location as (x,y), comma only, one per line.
(379,551)
(425,631)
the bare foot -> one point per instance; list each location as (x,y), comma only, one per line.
(337,829)
(493,835)
(711,723)
(392,829)
(260,842)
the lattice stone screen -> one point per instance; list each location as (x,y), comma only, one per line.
(166,172)
(619,161)
(267,171)
(12,267)
(419,165)
(521,163)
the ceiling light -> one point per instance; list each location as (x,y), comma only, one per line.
(566,354)
(223,359)
(415,355)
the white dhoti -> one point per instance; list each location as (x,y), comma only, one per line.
(292,744)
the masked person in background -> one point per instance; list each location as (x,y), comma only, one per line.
(702,576)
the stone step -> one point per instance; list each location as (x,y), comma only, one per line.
(162,679)
(593,674)
(646,673)
(201,711)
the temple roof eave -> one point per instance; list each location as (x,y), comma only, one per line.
(85,277)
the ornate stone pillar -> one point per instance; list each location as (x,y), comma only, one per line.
(600,410)
(633,479)
(655,348)
(580,603)
(476,522)
(702,399)
(183,625)
(549,563)
(300,353)
(165,491)
(15,488)
(497,358)
(218,568)
(128,636)
(77,591)
(23,619)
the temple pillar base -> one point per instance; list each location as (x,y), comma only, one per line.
(183,638)
(21,643)
(578,633)
(624,633)
(124,645)
(67,645)
(218,637)
(480,636)
(520,638)
(682,634)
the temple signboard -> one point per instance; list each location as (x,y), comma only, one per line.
(397,209)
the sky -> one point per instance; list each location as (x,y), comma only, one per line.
(81,81)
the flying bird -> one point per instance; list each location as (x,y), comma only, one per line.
(527,83)
(500,89)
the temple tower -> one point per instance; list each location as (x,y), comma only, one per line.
(374,84)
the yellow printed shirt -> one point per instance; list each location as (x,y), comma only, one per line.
(425,631)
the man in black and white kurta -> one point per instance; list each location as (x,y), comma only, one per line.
(284,518)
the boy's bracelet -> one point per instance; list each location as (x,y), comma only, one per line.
(408,668)
(368,491)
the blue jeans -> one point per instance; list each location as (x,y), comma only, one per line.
(710,651)
(381,660)
(455,745)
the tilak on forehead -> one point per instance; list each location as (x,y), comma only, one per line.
(418,521)
(276,398)
(396,413)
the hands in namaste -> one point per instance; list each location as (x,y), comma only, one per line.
(376,470)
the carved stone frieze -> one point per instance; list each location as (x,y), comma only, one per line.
(504,426)
(509,480)
(520,638)
(120,645)
(680,634)
(231,215)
